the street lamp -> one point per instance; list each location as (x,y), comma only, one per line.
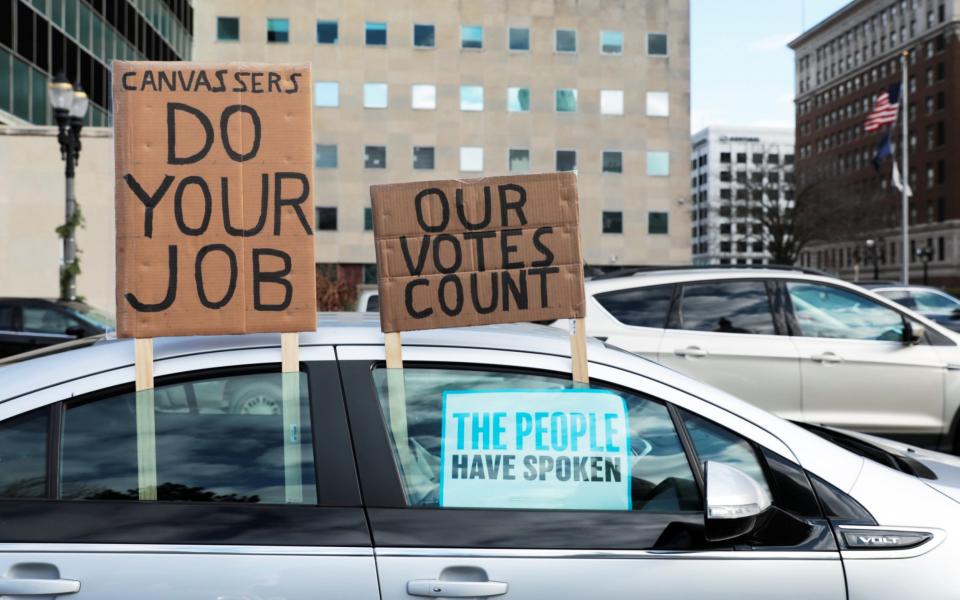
(925,254)
(874,253)
(69,105)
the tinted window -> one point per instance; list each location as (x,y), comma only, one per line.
(718,444)
(227,439)
(642,307)
(45,320)
(8,317)
(660,475)
(726,307)
(829,312)
(23,455)
(933,302)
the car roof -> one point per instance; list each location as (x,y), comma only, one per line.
(669,276)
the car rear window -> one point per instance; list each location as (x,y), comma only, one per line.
(641,307)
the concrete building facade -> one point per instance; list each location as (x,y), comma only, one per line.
(736,174)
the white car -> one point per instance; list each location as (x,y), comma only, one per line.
(802,345)
(338,492)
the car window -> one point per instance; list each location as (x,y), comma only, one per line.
(900,297)
(23,455)
(551,436)
(830,312)
(718,444)
(726,307)
(934,302)
(642,307)
(373,303)
(46,320)
(221,439)
(8,318)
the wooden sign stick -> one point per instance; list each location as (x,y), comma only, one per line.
(290,392)
(146,419)
(397,397)
(578,350)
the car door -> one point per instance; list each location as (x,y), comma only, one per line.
(444,530)
(246,503)
(728,333)
(857,370)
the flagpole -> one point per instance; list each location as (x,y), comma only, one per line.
(905,151)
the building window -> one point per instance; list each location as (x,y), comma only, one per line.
(375,95)
(423,96)
(376,34)
(519,160)
(658,164)
(612,161)
(423,158)
(471,158)
(724,157)
(518,99)
(566,40)
(471,37)
(656,44)
(367,224)
(228,29)
(326,218)
(325,156)
(326,94)
(612,221)
(657,222)
(327,32)
(611,102)
(278,30)
(424,36)
(519,38)
(471,97)
(658,104)
(375,157)
(611,42)
(566,100)
(566,160)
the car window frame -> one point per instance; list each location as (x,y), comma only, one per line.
(774,303)
(666,319)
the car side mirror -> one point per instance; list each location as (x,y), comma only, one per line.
(913,333)
(734,502)
(75,331)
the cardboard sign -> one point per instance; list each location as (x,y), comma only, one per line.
(553,449)
(495,250)
(214,203)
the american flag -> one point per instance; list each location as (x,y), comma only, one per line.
(885,109)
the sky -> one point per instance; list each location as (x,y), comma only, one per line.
(741,68)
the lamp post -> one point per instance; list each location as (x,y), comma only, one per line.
(925,254)
(874,253)
(69,105)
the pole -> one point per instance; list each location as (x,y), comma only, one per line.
(905,151)
(68,289)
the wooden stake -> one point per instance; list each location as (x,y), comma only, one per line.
(146,419)
(290,352)
(290,391)
(394,350)
(397,400)
(578,350)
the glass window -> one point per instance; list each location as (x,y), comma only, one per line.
(934,303)
(658,164)
(612,222)
(471,158)
(611,42)
(566,100)
(326,156)
(326,218)
(718,444)
(46,320)
(23,455)
(471,97)
(328,32)
(5,76)
(224,439)
(660,476)
(657,44)
(830,312)
(658,104)
(424,36)
(901,297)
(39,83)
(566,160)
(640,307)
(326,94)
(375,95)
(519,38)
(566,40)
(518,99)
(611,102)
(726,307)
(376,34)
(278,30)
(423,157)
(612,161)
(367,220)
(657,222)
(423,96)
(519,160)
(228,29)
(375,157)
(21,89)
(471,36)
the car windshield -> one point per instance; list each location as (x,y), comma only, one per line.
(91,315)
(935,302)
(860,447)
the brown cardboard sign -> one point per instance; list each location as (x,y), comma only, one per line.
(476,252)
(214,202)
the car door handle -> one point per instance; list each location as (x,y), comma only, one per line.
(38,587)
(691,351)
(827,357)
(437,588)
